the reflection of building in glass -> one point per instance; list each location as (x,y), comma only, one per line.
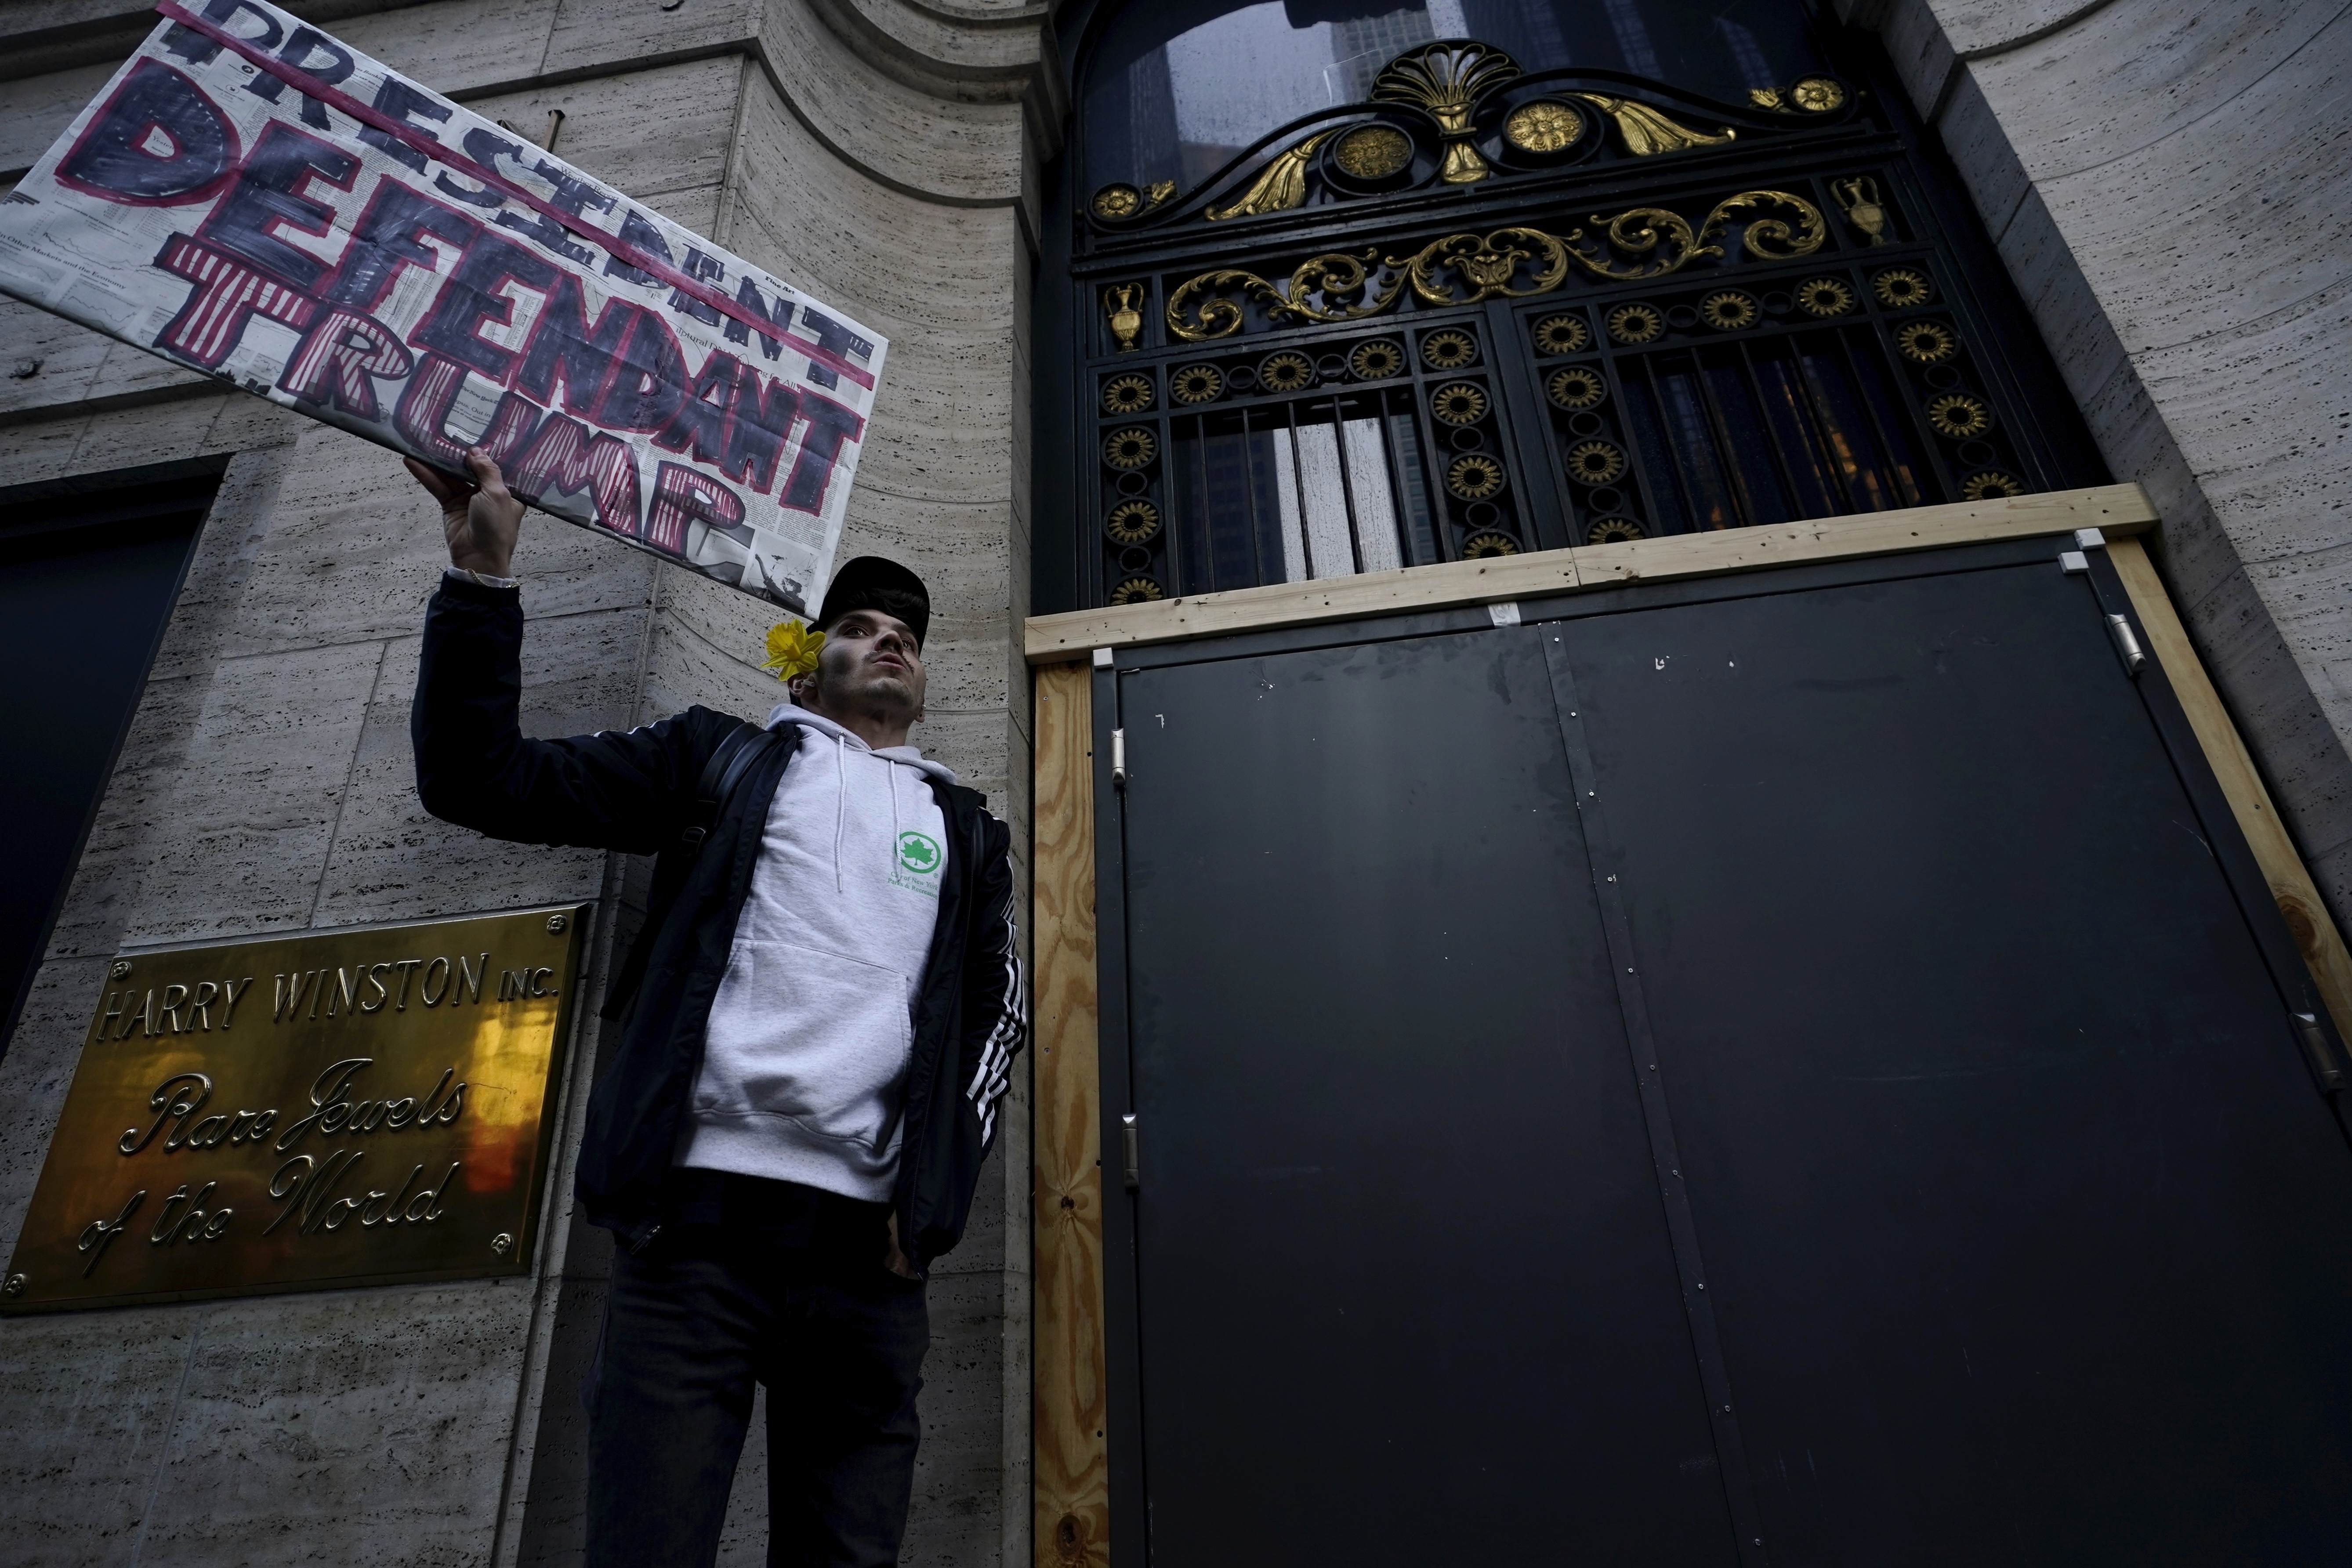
(1360,48)
(1632,37)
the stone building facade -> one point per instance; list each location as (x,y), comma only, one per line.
(2162,180)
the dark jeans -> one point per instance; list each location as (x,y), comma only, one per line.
(755,1282)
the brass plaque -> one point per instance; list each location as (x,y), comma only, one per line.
(307,1113)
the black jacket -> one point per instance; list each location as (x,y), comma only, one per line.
(635,793)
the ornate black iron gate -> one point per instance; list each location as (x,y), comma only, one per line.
(1487,311)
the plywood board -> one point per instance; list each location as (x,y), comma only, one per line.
(1071,1494)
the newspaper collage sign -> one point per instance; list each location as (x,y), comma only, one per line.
(253,199)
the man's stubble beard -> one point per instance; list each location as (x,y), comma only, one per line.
(880,693)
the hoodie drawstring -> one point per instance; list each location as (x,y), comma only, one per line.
(840,805)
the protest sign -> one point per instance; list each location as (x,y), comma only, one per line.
(253,199)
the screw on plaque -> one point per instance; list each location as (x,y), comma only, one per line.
(502,1244)
(557,922)
(121,970)
(16,1285)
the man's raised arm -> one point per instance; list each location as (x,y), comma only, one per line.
(474,765)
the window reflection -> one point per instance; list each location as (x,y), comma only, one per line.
(1176,90)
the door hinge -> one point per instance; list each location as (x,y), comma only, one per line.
(2326,1066)
(1126,1151)
(1118,759)
(2126,643)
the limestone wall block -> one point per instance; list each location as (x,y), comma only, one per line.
(2200,231)
(138,435)
(959,1468)
(391,860)
(245,825)
(2136,71)
(34,112)
(88,1401)
(646,132)
(593,34)
(2063,303)
(457,46)
(963,555)
(969,154)
(342,1426)
(1916,45)
(888,258)
(2266,423)
(1978,25)
(45,360)
(705,647)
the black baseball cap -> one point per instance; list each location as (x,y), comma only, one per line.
(870,583)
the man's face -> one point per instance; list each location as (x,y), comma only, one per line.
(870,662)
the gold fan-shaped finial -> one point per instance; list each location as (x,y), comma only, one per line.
(1447,79)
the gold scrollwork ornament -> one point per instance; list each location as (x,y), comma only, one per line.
(1486,265)
(1448,80)
(1646,132)
(1642,232)
(1639,243)
(1198,311)
(1280,187)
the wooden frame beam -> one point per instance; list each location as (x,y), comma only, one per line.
(2119,509)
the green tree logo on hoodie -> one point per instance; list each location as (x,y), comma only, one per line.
(918,854)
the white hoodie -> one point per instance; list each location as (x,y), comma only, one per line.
(805,1057)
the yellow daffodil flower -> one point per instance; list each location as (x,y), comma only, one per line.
(792,649)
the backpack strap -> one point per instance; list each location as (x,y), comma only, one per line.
(721,775)
(729,762)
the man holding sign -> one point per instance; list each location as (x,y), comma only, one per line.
(818,1022)
(819,1018)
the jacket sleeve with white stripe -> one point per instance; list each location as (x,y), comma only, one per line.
(995,1001)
